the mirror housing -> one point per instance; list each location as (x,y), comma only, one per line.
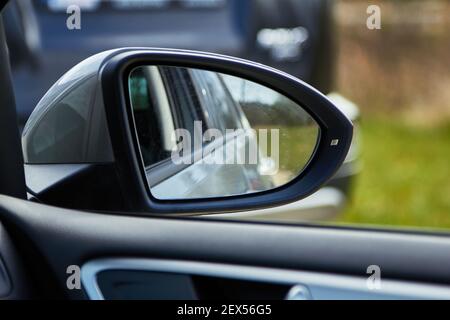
(89,159)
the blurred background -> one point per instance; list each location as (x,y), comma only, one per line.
(399,76)
(393,82)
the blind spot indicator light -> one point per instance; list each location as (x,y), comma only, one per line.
(334,142)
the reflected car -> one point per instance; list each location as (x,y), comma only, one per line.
(198,139)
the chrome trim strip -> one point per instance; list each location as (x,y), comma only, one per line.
(321,285)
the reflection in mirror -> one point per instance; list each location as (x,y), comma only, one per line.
(204,134)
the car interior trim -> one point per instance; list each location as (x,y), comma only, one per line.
(320,285)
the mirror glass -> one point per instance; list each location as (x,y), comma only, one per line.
(204,134)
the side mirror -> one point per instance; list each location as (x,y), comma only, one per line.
(171,131)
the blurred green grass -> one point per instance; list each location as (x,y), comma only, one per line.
(405,176)
(399,77)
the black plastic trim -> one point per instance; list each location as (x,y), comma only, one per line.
(83,236)
(12,181)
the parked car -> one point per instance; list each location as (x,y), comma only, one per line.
(235,27)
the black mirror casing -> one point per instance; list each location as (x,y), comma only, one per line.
(334,141)
(87,155)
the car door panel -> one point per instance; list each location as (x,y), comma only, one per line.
(311,254)
(14,281)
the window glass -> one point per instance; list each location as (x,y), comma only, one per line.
(392,74)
